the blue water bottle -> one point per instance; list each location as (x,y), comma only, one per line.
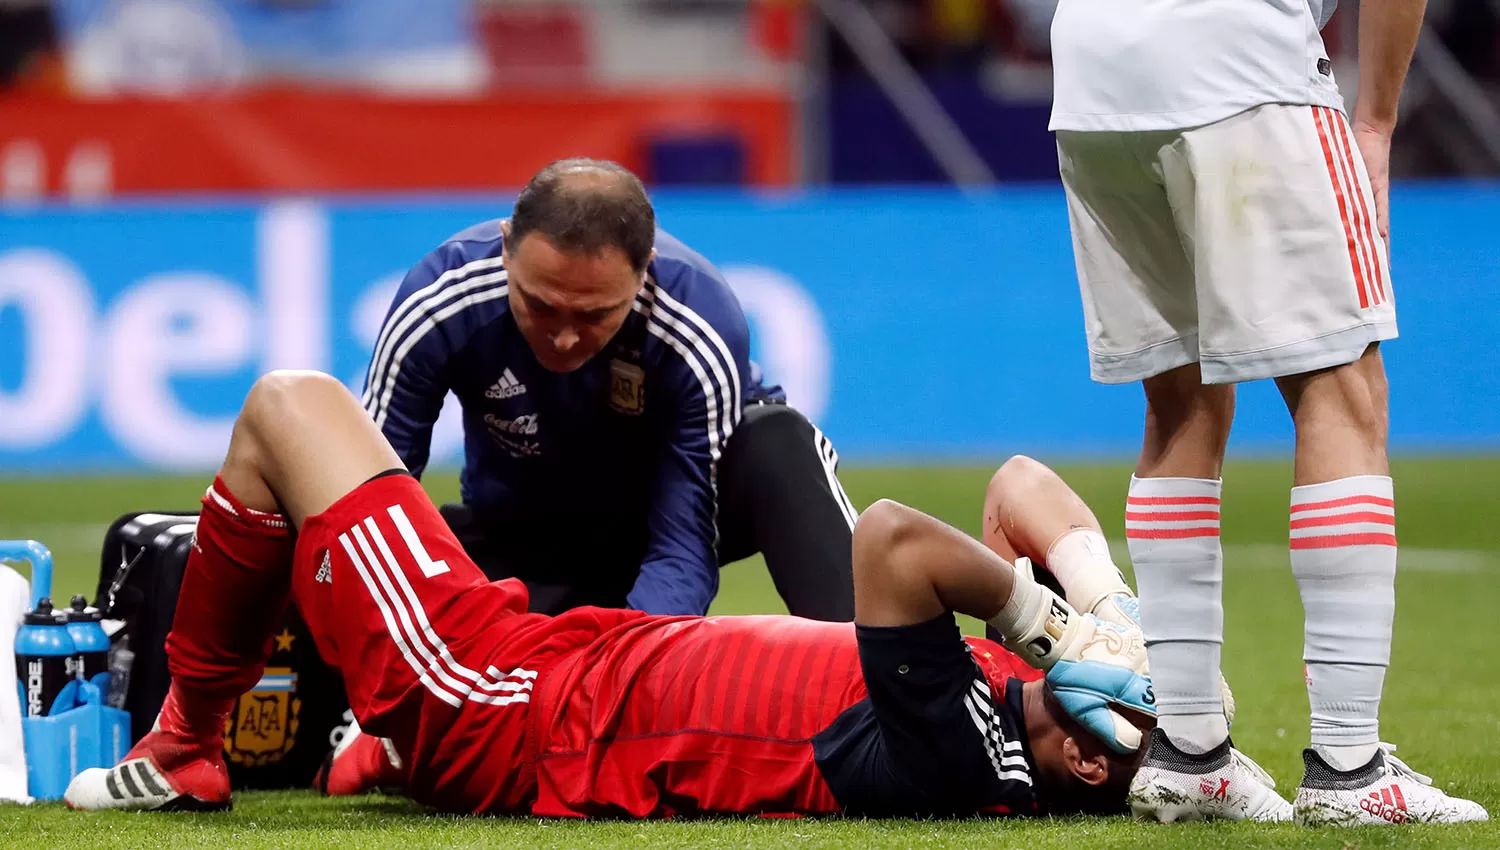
(44,663)
(90,644)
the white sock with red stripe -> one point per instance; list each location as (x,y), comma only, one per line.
(1172,526)
(1343,540)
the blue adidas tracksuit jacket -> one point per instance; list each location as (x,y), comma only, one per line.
(639,429)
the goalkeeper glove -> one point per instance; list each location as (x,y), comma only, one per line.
(1096,668)
(1125,609)
(1043,628)
(1094,692)
(1113,602)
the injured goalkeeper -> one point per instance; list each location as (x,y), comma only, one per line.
(490,709)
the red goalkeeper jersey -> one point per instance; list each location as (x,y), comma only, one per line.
(721,714)
(607,712)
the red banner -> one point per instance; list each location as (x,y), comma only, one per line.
(310,142)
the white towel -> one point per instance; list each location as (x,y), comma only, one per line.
(15,593)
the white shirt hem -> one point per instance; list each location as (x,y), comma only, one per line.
(1197,117)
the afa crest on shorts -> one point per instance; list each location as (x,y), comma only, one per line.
(262,729)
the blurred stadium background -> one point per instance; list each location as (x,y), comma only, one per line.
(193,192)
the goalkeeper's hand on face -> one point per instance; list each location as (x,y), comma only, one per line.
(1125,609)
(1043,629)
(1097,669)
(1101,678)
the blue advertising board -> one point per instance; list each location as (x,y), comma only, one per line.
(910,325)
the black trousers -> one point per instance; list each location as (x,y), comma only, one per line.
(779,495)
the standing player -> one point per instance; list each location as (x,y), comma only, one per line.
(618,445)
(1230,225)
(614,712)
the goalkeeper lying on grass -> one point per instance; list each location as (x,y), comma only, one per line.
(616,713)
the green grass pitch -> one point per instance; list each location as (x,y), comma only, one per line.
(1440,700)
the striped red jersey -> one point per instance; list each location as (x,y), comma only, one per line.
(668,716)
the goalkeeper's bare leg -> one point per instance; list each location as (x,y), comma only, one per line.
(1031,513)
(301,442)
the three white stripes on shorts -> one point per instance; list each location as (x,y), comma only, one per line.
(830,460)
(420,645)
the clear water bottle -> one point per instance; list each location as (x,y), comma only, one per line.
(121,659)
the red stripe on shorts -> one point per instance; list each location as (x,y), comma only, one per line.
(1338,193)
(1366,226)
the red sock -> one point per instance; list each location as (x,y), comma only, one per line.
(234,593)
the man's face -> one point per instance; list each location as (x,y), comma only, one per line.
(1077,771)
(568,305)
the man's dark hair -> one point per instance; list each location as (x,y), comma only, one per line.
(587,206)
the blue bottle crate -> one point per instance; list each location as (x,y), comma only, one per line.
(84,734)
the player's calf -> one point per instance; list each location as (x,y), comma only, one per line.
(233,593)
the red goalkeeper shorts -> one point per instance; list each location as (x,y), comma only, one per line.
(433,656)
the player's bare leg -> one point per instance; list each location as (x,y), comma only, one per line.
(1031,513)
(1343,545)
(1187,425)
(301,442)
(1190,771)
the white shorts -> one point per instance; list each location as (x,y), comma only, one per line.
(1248,246)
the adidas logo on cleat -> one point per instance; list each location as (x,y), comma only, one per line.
(506,387)
(1387,804)
(1221,793)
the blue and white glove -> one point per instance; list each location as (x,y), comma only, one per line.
(1094,692)
(1043,628)
(1107,595)
(1121,608)
(1094,666)
(1101,673)
(1125,609)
